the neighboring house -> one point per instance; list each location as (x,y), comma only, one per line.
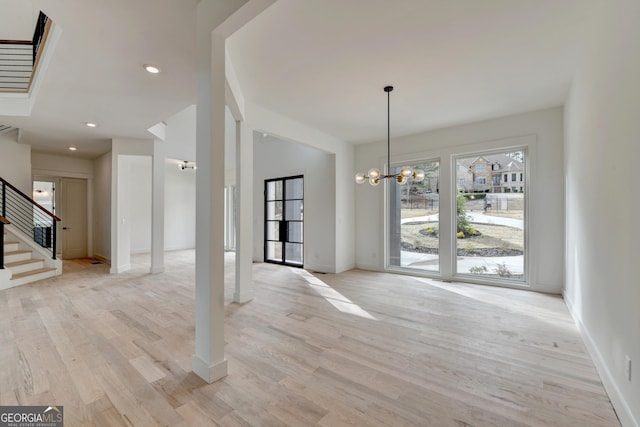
(496,173)
(464,177)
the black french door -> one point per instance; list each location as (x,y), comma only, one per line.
(284,220)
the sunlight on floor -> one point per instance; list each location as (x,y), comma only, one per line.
(332,296)
(544,308)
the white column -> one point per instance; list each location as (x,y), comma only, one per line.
(157,208)
(244,214)
(216,20)
(208,361)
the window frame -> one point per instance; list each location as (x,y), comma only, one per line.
(446,155)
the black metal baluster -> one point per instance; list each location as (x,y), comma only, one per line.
(53,237)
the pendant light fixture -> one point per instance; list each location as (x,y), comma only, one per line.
(406,173)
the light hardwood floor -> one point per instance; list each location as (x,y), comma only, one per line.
(356,349)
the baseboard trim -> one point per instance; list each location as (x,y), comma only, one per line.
(243,297)
(620,405)
(368,267)
(209,373)
(345,267)
(102,259)
(120,269)
(156,270)
(319,267)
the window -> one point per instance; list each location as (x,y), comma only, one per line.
(521,177)
(486,228)
(490,242)
(480,168)
(414,227)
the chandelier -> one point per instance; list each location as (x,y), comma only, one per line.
(406,173)
(186,165)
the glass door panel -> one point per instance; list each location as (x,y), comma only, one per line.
(490,215)
(294,189)
(294,210)
(414,236)
(274,252)
(293,254)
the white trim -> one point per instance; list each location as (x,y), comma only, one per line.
(102,259)
(526,147)
(209,373)
(622,408)
(120,269)
(243,296)
(44,174)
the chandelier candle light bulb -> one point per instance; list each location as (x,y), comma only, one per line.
(406,173)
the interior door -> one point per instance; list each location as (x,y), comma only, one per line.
(73,212)
(284,221)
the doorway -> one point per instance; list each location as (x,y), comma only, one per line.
(284,221)
(73,212)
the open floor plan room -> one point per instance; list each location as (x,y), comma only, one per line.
(356,348)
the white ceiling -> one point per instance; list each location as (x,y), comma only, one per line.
(325,63)
(321,62)
(96,73)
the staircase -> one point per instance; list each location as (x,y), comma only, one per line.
(25,264)
(28,239)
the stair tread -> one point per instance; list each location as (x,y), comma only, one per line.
(10,243)
(17,263)
(16,252)
(32,272)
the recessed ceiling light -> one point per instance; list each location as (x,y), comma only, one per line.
(152,68)
(90,124)
(72,148)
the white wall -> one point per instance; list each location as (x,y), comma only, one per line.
(544,128)
(343,213)
(138,177)
(180,207)
(15,163)
(603,229)
(180,136)
(66,166)
(278,159)
(102,207)
(121,211)
(50,165)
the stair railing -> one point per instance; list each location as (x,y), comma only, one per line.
(3,221)
(20,58)
(28,216)
(39,34)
